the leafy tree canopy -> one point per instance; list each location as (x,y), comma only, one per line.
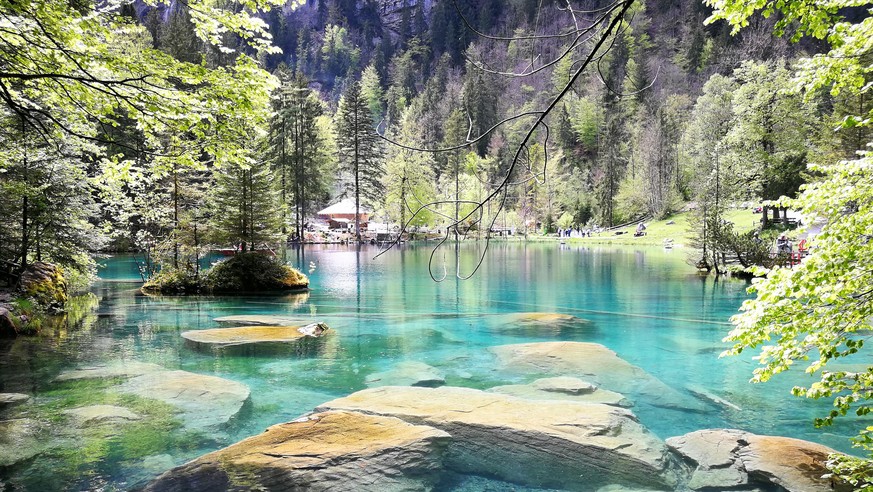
(820,311)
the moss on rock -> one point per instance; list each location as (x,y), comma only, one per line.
(45,284)
(254,272)
(246,272)
(175,282)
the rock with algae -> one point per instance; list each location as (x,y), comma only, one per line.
(342,451)
(204,401)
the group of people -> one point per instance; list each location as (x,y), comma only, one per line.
(572,232)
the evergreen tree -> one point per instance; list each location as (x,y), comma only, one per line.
(178,38)
(244,207)
(360,153)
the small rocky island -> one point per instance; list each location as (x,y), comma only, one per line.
(243,273)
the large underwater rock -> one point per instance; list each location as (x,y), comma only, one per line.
(541,324)
(260,319)
(342,451)
(563,388)
(204,401)
(408,373)
(559,444)
(729,459)
(119,369)
(20,440)
(101,414)
(595,363)
(255,336)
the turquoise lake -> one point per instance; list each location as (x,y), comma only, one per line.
(647,305)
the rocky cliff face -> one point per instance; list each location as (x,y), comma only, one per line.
(392,11)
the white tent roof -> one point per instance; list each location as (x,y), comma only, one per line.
(345,207)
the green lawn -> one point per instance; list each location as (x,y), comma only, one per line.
(659,230)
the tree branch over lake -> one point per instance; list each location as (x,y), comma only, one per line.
(599,34)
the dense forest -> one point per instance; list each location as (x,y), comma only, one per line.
(673,115)
(171,129)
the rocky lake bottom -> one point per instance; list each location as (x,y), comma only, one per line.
(557,368)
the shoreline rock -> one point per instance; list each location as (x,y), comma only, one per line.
(731,458)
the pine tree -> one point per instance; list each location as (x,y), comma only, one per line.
(177,36)
(298,150)
(360,153)
(244,207)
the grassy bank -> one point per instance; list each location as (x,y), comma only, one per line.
(674,227)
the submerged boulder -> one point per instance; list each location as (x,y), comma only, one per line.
(563,388)
(342,451)
(20,440)
(255,336)
(408,373)
(541,324)
(735,459)
(101,414)
(558,444)
(543,318)
(259,319)
(120,369)
(204,401)
(596,363)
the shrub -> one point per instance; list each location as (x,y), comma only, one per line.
(175,282)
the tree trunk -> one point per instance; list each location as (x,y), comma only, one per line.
(357,179)
(175,217)
(765,216)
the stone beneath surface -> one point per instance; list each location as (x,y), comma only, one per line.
(595,363)
(563,388)
(733,459)
(544,318)
(10,399)
(408,373)
(254,335)
(261,319)
(558,444)
(204,401)
(127,369)
(101,414)
(342,451)
(541,324)
(19,441)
